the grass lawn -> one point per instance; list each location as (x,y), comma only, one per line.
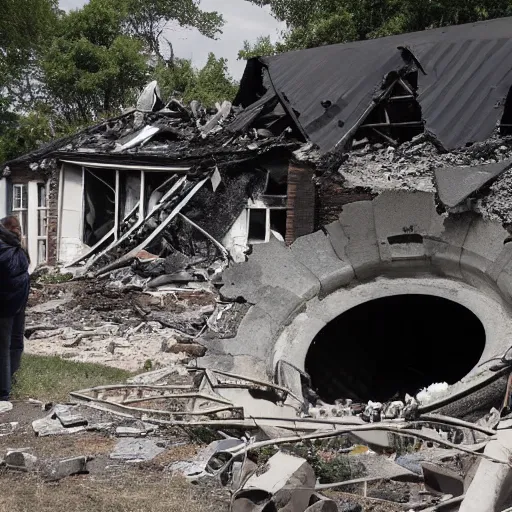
(52,378)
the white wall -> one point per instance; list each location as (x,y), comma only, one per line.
(71,214)
(236,239)
(3,198)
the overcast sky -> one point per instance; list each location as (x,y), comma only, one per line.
(243,21)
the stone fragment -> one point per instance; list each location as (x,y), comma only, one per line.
(319,503)
(190,349)
(19,460)
(68,467)
(442,480)
(51,425)
(136,450)
(286,484)
(69,416)
(5,407)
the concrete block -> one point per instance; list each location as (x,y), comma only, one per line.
(505,281)
(358,223)
(280,304)
(398,212)
(136,450)
(338,240)
(445,251)
(20,461)
(271,264)
(497,266)
(254,338)
(68,467)
(316,252)
(442,480)
(482,247)
(286,485)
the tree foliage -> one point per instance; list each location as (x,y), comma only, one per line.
(209,85)
(60,71)
(24,25)
(317,22)
(263,47)
(148,19)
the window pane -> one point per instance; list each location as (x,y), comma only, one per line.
(41,195)
(19,197)
(24,197)
(257,225)
(41,251)
(42,219)
(22,217)
(16,197)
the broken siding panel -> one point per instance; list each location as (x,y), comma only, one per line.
(301,202)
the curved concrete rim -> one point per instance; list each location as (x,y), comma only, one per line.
(294,342)
(398,243)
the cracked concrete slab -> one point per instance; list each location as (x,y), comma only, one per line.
(317,254)
(271,264)
(358,223)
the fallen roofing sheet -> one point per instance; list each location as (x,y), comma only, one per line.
(462,95)
(455,184)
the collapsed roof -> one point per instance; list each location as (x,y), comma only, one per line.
(158,134)
(459,76)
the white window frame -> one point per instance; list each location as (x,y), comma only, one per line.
(260,205)
(42,238)
(21,211)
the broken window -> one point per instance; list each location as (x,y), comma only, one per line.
(257,225)
(265,222)
(100,201)
(278,222)
(277,180)
(397,116)
(20,207)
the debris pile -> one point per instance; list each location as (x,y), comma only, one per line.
(413,165)
(116,323)
(272,455)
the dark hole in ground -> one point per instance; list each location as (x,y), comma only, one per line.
(392,346)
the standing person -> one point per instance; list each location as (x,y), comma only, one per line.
(14,289)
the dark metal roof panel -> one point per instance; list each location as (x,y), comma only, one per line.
(455,184)
(468,74)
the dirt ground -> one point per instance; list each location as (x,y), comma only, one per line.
(110,486)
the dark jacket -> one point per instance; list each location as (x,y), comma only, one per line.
(14,276)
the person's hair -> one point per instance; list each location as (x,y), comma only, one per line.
(11,222)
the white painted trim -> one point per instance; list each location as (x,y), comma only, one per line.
(32,223)
(117,206)
(60,199)
(97,165)
(142,204)
(3,198)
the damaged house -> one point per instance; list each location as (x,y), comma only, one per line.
(347,182)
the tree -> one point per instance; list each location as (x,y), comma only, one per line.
(24,27)
(148,19)
(263,47)
(208,85)
(317,22)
